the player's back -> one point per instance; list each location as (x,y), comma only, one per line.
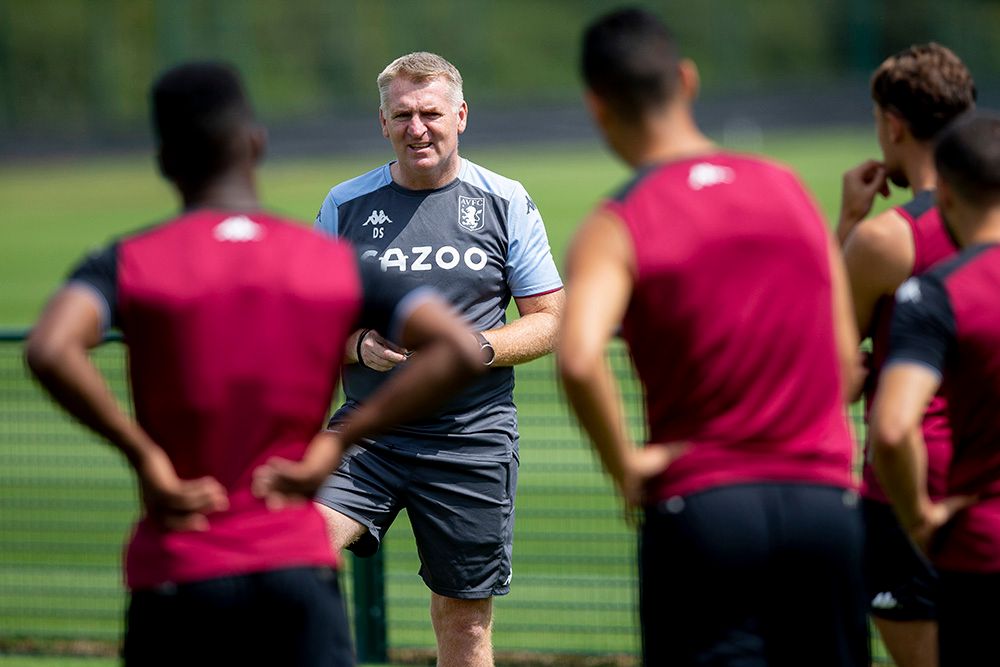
(968,318)
(235,326)
(731,324)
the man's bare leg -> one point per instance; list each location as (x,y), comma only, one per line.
(343,530)
(464,631)
(910,643)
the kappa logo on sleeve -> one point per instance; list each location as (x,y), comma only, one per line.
(472,213)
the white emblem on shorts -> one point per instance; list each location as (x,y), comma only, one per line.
(703,175)
(472,213)
(909,291)
(884,600)
(237,229)
(510,575)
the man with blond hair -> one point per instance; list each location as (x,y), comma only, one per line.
(477,237)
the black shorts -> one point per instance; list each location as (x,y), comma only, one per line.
(968,619)
(291,616)
(901,583)
(461,511)
(754,575)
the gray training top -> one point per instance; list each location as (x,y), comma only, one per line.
(478,241)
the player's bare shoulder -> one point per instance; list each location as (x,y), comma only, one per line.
(881,245)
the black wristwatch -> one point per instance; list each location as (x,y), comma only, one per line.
(489,354)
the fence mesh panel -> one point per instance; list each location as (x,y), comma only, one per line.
(67,501)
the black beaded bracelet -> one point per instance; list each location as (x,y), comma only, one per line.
(361,339)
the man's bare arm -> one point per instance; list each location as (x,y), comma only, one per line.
(879,256)
(533,334)
(845,329)
(900,455)
(601,270)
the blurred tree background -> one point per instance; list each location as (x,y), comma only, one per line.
(78,70)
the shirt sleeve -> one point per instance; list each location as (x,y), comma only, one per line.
(327,220)
(388,303)
(531,270)
(98,272)
(923,324)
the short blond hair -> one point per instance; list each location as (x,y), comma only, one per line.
(421,66)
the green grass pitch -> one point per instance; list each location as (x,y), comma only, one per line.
(65,501)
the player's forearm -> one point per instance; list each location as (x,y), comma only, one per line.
(74,382)
(593,395)
(900,461)
(525,339)
(351,348)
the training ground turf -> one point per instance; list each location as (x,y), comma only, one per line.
(572,589)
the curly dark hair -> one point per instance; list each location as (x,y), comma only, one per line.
(927,85)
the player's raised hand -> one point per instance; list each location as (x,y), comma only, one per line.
(177,504)
(937,515)
(860,186)
(281,482)
(377,353)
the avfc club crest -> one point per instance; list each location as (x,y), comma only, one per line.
(472,213)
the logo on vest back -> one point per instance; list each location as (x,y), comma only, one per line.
(704,174)
(472,213)
(237,229)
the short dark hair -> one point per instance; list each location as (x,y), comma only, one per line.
(967,157)
(630,60)
(197,109)
(927,85)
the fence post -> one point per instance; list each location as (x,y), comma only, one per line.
(369,608)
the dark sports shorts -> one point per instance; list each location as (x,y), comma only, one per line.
(968,618)
(291,616)
(901,583)
(461,510)
(754,575)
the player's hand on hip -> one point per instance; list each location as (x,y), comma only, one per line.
(860,186)
(380,354)
(645,464)
(282,483)
(173,503)
(935,516)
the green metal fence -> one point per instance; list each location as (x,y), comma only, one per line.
(67,500)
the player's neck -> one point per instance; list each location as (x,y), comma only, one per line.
(667,138)
(986,230)
(920,172)
(234,190)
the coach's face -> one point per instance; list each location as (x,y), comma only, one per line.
(422,123)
